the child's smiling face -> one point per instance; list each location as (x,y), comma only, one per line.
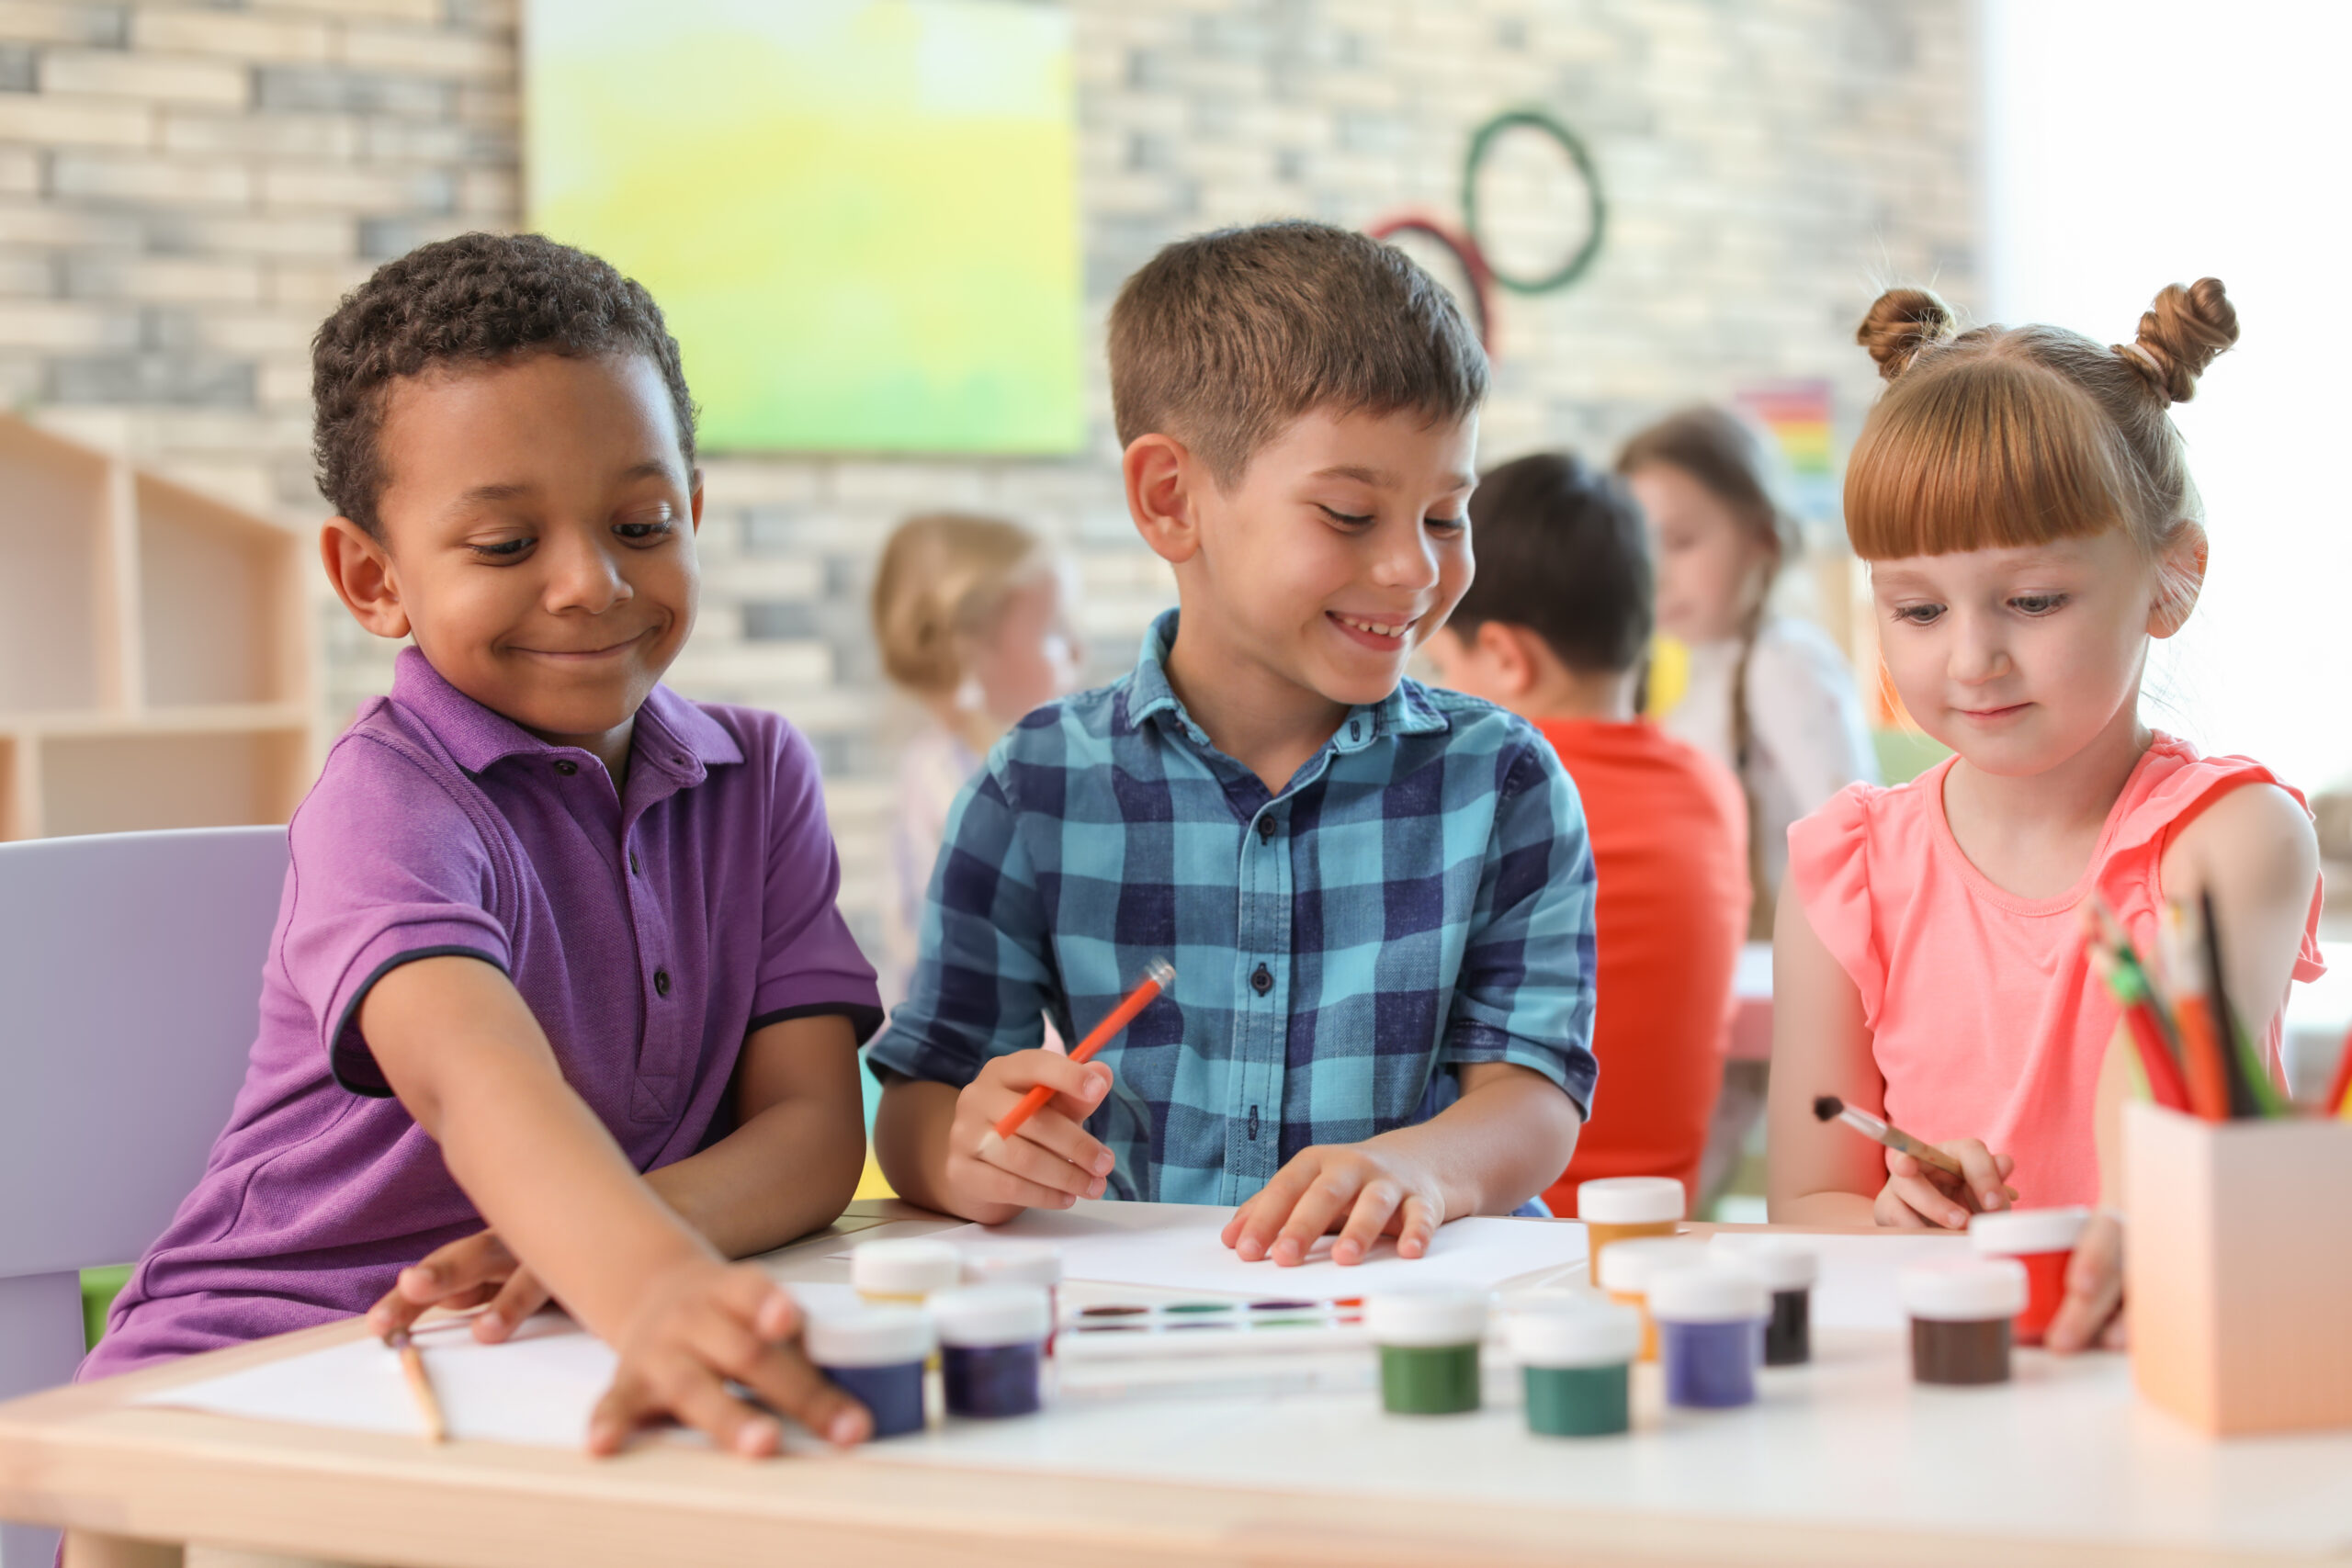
(2017,658)
(538,525)
(1341,548)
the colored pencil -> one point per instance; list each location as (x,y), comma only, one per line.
(1829,1107)
(1158,976)
(420,1385)
(2339,1089)
(2157,1064)
(2127,960)
(2251,1091)
(2201,1045)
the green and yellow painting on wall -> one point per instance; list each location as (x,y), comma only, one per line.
(859,215)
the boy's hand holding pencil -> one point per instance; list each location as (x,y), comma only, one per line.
(1050,1161)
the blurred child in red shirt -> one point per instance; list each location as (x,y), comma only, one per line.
(1557,628)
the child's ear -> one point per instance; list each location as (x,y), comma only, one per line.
(1504,647)
(1162,480)
(361,569)
(2180,578)
(694,498)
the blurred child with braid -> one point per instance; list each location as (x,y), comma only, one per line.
(2024,501)
(1771,697)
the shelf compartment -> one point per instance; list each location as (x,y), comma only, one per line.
(217,599)
(133,780)
(57,619)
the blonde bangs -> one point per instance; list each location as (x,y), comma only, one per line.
(1983,452)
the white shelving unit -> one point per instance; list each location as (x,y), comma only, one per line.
(154,651)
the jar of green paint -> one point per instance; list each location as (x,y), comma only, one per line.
(1576,1362)
(1429,1349)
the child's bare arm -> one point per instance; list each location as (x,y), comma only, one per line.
(2254,851)
(1511,1135)
(1822,1173)
(459,1046)
(792,1164)
(1819,1175)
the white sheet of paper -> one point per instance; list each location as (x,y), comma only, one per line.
(538,1388)
(1175,1246)
(1857,1289)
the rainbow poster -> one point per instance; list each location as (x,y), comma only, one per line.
(860,216)
(1797,414)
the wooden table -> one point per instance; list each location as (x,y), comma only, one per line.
(126,1479)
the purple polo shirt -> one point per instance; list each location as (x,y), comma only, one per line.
(651,933)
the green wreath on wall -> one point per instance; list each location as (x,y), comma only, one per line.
(1469,251)
(1596,209)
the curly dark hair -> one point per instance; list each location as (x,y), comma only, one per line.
(475,300)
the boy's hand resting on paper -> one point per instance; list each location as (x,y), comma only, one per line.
(1509,1134)
(1362,1190)
(1052,1161)
(464,1274)
(1918,1196)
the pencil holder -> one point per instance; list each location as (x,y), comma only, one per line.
(2238,1268)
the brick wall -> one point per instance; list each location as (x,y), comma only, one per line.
(185,189)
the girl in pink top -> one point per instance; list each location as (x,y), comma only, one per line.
(2024,501)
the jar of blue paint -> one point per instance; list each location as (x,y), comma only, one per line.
(992,1345)
(1711,1334)
(874,1354)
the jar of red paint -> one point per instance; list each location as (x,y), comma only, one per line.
(2043,1241)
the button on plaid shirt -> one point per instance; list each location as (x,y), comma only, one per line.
(1418,898)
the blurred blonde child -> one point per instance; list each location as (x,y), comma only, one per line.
(971,615)
(2025,503)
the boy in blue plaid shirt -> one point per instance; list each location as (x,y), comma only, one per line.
(1378,898)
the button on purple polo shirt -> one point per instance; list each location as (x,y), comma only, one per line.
(650,934)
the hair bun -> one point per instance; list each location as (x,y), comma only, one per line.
(2180,336)
(1901,322)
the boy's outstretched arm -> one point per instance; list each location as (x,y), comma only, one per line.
(790,1166)
(1510,1134)
(459,1046)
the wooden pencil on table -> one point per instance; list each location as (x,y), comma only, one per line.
(420,1385)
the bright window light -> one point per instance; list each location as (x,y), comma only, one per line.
(2131,143)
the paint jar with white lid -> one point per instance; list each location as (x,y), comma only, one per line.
(1961,1317)
(1788,1269)
(1630,1266)
(1619,1208)
(876,1355)
(1429,1342)
(1710,1334)
(905,1271)
(992,1346)
(1576,1364)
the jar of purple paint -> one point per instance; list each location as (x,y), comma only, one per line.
(992,1343)
(1709,1333)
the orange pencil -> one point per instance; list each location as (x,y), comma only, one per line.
(2339,1091)
(1158,976)
(2200,1044)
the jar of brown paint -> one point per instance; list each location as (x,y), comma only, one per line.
(1961,1315)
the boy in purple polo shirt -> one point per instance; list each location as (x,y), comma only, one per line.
(559,954)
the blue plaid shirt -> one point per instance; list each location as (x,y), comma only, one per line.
(1420,896)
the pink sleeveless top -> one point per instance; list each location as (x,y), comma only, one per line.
(1983,1020)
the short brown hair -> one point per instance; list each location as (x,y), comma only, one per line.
(475,301)
(2019,435)
(1224,339)
(1562,551)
